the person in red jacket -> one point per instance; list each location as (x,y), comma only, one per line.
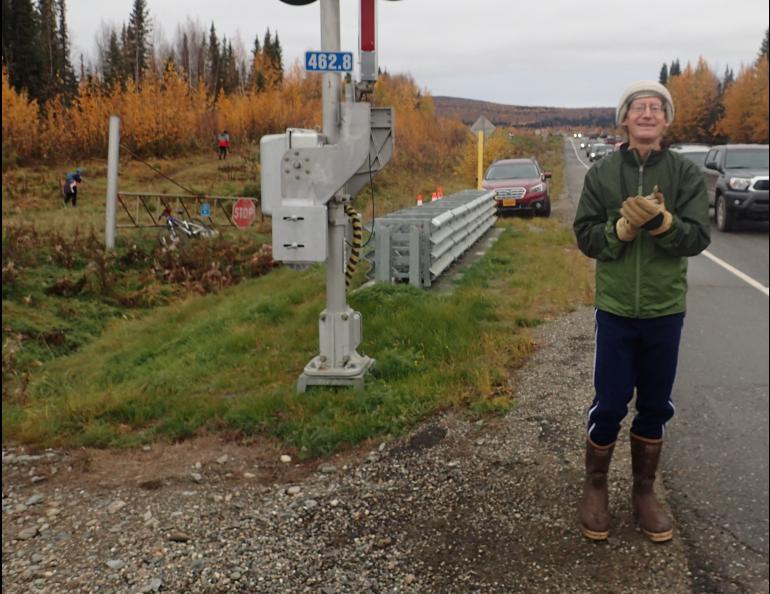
(223,142)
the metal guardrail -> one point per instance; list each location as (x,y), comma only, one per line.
(417,244)
(144,210)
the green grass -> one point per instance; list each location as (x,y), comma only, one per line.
(229,362)
(125,361)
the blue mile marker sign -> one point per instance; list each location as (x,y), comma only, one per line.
(329,61)
(205,209)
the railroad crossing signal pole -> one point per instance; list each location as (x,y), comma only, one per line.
(337,316)
(307,180)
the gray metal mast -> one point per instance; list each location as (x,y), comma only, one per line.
(335,277)
(307,180)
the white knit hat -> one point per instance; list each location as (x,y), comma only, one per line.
(644,88)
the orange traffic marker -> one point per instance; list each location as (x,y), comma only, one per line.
(419,199)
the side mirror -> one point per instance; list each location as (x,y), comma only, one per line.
(712,165)
(547,175)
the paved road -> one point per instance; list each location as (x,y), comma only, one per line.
(716,461)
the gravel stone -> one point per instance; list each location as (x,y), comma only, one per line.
(460,505)
(34,500)
(116,506)
(27,533)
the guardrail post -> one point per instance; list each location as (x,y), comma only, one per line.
(414,256)
(112,183)
(382,254)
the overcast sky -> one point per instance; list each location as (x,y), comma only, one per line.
(542,52)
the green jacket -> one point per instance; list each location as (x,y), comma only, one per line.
(646,277)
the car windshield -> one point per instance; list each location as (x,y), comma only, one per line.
(697,157)
(747,159)
(512,171)
(601,148)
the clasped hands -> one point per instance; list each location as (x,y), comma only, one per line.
(643,212)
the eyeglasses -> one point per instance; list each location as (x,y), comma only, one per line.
(640,108)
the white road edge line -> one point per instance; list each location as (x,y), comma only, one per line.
(574,148)
(732,269)
(741,275)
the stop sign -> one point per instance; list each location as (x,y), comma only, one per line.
(244,212)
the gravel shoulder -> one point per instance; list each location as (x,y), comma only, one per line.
(457,506)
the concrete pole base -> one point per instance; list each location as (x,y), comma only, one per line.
(351,375)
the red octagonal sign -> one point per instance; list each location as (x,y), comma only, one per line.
(244,212)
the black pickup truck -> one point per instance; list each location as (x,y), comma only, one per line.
(737,182)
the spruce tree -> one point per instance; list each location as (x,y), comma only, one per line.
(675,69)
(256,74)
(113,69)
(663,77)
(64,65)
(230,79)
(185,58)
(213,62)
(763,48)
(48,47)
(23,57)
(137,39)
(272,68)
(7,29)
(267,44)
(276,56)
(727,79)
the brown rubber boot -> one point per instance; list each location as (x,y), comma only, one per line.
(593,509)
(652,518)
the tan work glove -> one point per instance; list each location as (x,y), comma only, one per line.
(648,212)
(625,230)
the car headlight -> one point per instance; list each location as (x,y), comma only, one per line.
(537,188)
(739,183)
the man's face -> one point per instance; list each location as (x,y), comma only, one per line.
(646,120)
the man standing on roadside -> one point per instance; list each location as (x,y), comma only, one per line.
(643,211)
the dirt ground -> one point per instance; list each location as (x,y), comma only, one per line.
(458,505)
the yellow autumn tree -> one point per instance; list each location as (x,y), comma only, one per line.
(168,116)
(496,146)
(423,139)
(20,122)
(695,93)
(745,105)
(249,116)
(503,143)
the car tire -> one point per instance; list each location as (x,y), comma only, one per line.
(724,217)
(545,212)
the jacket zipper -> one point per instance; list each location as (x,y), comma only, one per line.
(638,255)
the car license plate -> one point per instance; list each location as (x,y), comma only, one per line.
(509,202)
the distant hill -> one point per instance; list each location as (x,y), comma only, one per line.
(468,110)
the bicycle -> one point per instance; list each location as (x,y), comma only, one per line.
(179,230)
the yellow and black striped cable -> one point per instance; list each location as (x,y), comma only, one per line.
(355,246)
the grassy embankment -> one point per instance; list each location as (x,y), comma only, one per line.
(130,357)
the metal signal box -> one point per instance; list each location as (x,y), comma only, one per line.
(272,149)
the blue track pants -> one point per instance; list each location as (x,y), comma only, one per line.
(633,353)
